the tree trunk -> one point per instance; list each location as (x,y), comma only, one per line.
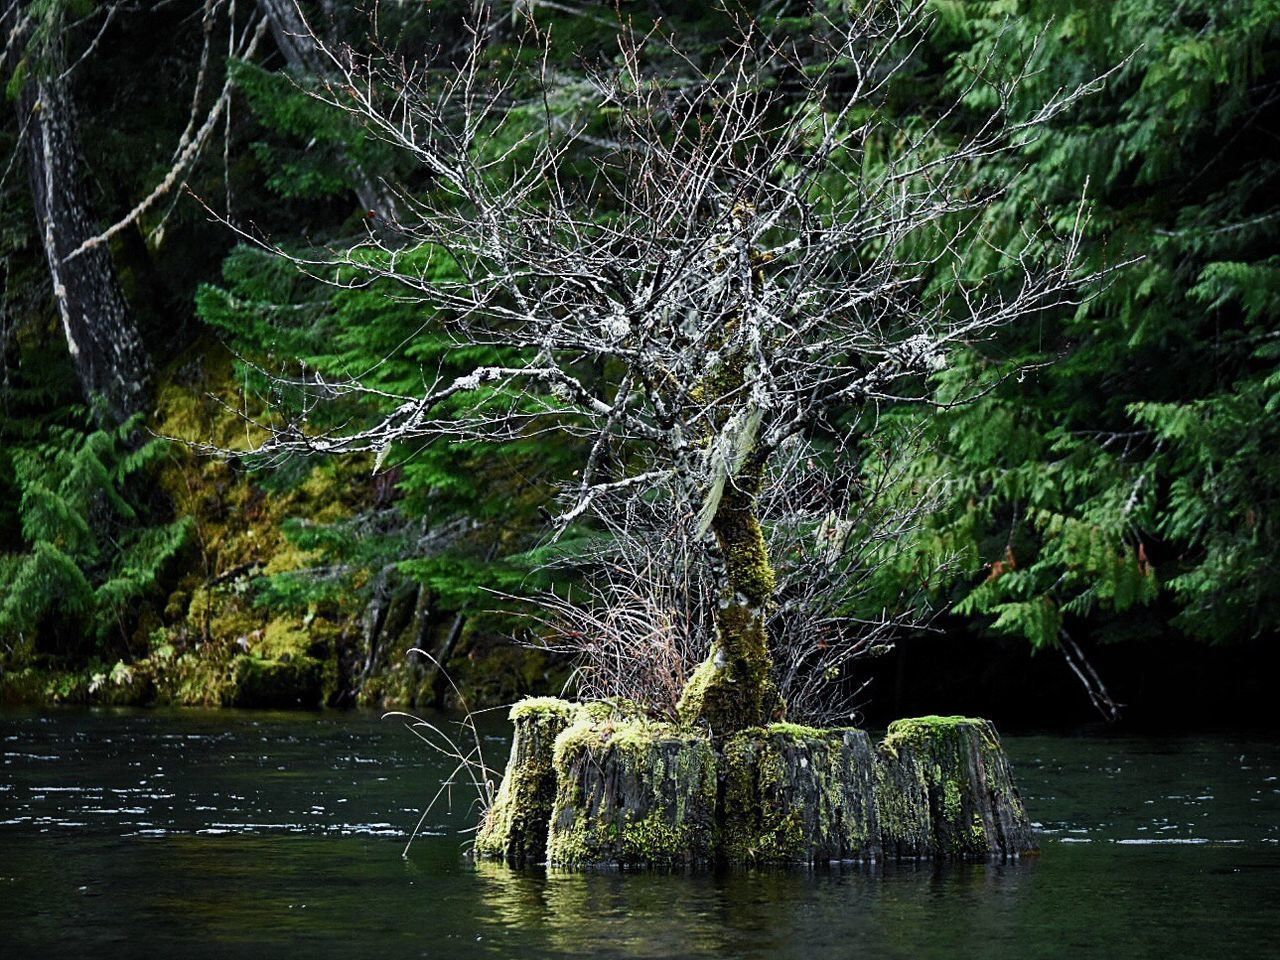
(734,689)
(440,676)
(105,345)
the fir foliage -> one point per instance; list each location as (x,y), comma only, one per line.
(1126,451)
(88,554)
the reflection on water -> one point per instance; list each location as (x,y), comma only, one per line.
(228,833)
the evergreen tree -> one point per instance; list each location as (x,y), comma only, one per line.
(1126,450)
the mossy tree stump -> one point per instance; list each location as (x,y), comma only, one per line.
(633,793)
(944,790)
(798,795)
(515,825)
(601,785)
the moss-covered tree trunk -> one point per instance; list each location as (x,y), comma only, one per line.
(733,689)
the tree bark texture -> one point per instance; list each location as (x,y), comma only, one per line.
(798,795)
(106,347)
(734,688)
(944,789)
(633,793)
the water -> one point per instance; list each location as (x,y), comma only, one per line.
(227,834)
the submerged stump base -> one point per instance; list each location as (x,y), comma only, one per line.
(600,785)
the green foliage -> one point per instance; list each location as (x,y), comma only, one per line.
(1125,450)
(1118,475)
(459,517)
(86,556)
(306,148)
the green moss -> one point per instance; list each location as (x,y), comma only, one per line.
(733,689)
(921,731)
(693,698)
(951,799)
(943,786)
(211,619)
(632,792)
(798,731)
(900,809)
(755,826)
(256,682)
(654,840)
(533,707)
(515,826)
(742,545)
(283,637)
(978,834)
(795,794)
(584,735)
(614,708)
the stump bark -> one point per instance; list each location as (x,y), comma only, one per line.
(600,785)
(944,790)
(798,795)
(515,826)
(633,793)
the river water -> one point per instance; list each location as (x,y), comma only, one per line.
(236,834)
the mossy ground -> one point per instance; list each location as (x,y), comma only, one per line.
(218,646)
(210,641)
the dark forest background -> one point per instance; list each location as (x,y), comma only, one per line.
(1109,513)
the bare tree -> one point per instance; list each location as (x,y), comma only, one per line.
(734,283)
(645,615)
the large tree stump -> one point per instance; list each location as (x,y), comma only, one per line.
(798,795)
(633,793)
(601,785)
(944,791)
(515,826)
